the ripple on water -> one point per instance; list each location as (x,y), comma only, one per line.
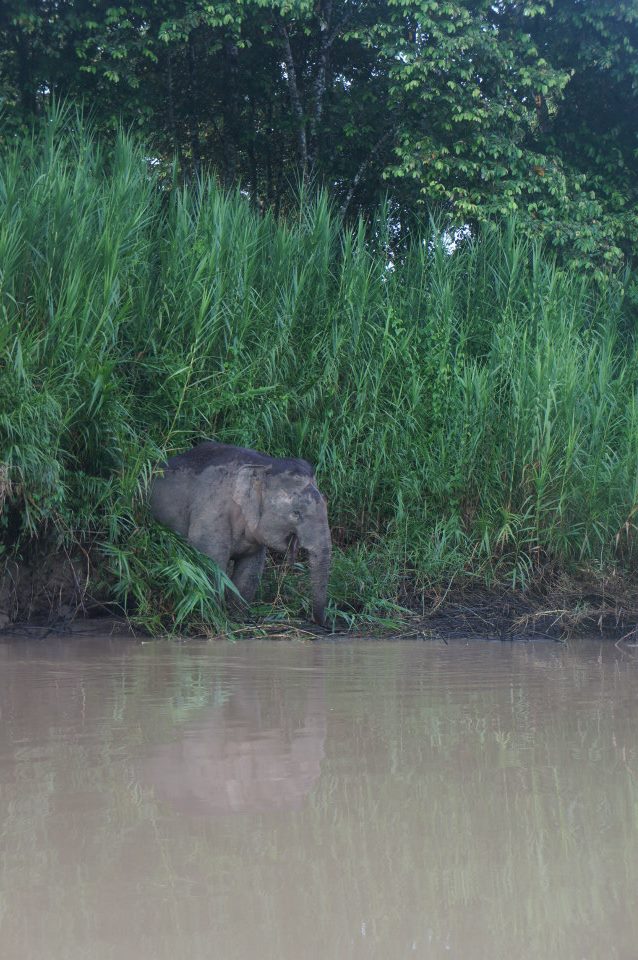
(318,800)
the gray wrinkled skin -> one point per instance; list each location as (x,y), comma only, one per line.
(232,503)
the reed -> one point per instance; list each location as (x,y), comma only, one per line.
(471,413)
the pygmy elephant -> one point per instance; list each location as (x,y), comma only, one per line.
(231,503)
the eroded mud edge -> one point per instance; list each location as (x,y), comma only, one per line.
(57,596)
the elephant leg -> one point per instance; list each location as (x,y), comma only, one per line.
(247,573)
(212,541)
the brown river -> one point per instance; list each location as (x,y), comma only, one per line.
(284,801)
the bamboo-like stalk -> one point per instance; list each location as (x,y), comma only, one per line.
(473,410)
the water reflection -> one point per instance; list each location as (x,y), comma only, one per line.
(285,801)
(250,752)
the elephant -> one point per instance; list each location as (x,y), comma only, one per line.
(232,503)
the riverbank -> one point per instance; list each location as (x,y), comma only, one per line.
(53,599)
(470,410)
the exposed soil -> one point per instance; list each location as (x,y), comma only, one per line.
(51,587)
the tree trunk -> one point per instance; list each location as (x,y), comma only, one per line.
(193,125)
(231,110)
(171,105)
(25,81)
(295,101)
(325,16)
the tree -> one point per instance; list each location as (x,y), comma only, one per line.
(481,109)
(590,139)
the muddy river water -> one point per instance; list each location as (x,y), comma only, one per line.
(283,801)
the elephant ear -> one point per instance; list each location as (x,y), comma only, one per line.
(248,494)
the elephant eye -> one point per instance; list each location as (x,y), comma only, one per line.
(296,515)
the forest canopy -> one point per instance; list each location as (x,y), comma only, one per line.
(473,108)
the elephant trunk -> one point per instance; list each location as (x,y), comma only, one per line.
(319,573)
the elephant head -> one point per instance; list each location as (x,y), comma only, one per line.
(281,504)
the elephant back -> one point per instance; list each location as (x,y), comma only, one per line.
(213,454)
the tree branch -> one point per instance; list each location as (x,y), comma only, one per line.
(542,113)
(345,20)
(376,149)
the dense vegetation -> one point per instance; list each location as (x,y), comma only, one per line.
(482,108)
(471,411)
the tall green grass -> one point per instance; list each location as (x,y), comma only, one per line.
(472,412)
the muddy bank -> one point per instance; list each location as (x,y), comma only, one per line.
(570,607)
(57,592)
(48,588)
